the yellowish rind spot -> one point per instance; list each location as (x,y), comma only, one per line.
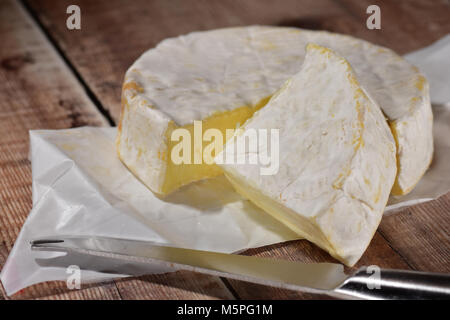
(396,188)
(420,83)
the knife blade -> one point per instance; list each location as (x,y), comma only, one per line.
(320,278)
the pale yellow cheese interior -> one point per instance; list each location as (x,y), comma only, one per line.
(178,175)
(302,226)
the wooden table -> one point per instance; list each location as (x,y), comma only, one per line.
(54,78)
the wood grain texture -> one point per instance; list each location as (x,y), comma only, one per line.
(57,290)
(406,25)
(177,285)
(421,234)
(39,91)
(102,292)
(2,292)
(115,33)
(379,253)
(105,47)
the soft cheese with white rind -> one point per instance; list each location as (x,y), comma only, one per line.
(337,157)
(206,74)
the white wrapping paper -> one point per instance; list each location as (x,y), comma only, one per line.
(81,188)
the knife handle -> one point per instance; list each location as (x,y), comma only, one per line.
(367,283)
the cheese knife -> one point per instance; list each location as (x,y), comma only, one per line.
(321,278)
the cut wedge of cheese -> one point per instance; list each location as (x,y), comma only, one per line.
(222,76)
(337,157)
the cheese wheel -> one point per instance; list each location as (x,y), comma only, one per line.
(222,77)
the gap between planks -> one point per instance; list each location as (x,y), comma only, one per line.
(33,15)
(85,292)
(348,25)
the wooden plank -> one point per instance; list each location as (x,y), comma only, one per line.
(115,33)
(39,91)
(103,292)
(177,285)
(57,290)
(406,25)
(417,238)
(117,45)
(421,234)
(106,46)
(2,292)
(379,253)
